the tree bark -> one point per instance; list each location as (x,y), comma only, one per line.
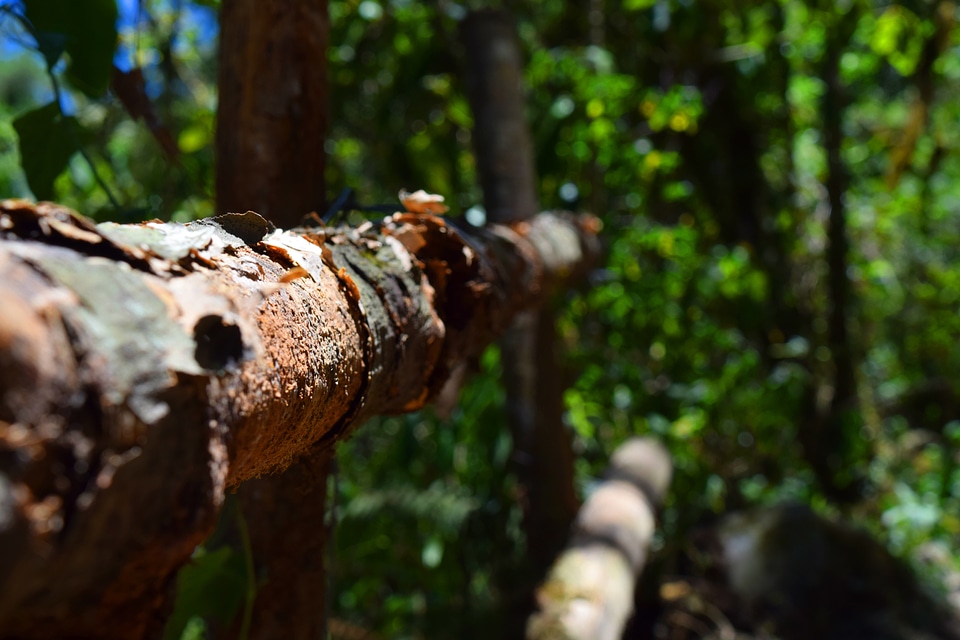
(542,445)
(272,109)
(494,86)
(271,128)
(145,369)
(589,593)
(285,515)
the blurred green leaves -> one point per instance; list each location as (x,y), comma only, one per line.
(123,173)
(84,30)
(211,587)
(899,36)
(47,141)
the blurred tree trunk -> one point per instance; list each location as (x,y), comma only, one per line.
(542,446)
(830,439)
(272,110)
(271,127)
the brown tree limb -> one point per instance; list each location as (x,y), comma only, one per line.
(145,369)
(589,592)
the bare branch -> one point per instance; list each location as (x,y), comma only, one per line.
(144,369)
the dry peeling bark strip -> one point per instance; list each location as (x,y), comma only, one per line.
(146,369)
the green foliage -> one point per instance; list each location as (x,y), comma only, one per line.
(86,31)
(212,586)
(122,171)
(391,64)
(429,525)
(898,35)
(47,141)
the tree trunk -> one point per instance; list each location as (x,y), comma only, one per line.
(271,129)
(542,446)
(285,515)
(494,84)
(272,109)
(828,445)
(145,369)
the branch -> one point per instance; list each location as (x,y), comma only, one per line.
(589,592)
(144,369)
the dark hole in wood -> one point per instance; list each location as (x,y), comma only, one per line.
(219,345)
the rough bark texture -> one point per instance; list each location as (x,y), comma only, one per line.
(144,369)
(543,454)
(271,114)
(589,593)
(271,128)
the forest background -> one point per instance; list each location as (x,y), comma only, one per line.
(780,193)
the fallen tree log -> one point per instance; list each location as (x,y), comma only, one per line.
(588,594)
(147,369)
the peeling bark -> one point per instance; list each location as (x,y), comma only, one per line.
(145,369)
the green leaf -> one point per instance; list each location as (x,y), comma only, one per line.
(86,30)
(47,141)
(51,45)
(899,36)
(636,5)
(213,585)
(195,629)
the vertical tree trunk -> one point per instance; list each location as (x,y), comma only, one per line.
(494,83)
(271,126)
(828,445)
(272,113)
(542,451)
(285,518)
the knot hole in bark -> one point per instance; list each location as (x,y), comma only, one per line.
(219,345)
